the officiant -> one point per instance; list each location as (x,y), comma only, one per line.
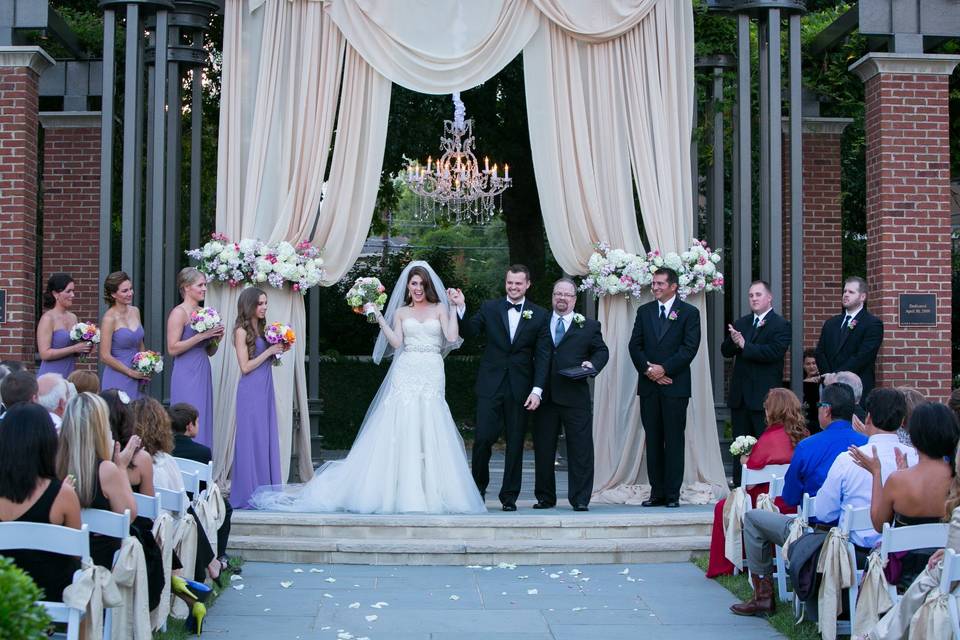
(579,353)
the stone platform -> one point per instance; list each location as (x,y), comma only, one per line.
(605,534)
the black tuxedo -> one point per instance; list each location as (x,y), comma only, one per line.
(567,402)
(849,349)
(757,369)
(672,344)
(186,447)
(508,372)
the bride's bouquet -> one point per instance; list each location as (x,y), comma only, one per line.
(204,319)
(149,363)
(282,334)
(85,332)
(367,291)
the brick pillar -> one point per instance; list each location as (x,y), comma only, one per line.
(20,69)
(908,212)
(71,204)
(822,244)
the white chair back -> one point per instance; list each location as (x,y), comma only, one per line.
(760,476)
(191,483)
(147,506)
(918,536)
(852,519)
(204,472)
(808,507)
(776,487)
(107,523)
(173,501)
(950,574)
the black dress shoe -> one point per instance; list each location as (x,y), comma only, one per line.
(544,505)
(580,507)
(654,502)
(672,504)
(509,507)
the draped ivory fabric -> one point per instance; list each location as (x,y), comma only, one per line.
(185,544)
(734,509)
(131,619)
(163,529)
(609,99)
(838,572)
(92,590)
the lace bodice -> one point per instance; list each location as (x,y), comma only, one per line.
(418,369)
(423,336)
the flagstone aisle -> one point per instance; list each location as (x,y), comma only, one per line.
(595,602)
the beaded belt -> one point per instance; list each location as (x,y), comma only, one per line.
(421,348)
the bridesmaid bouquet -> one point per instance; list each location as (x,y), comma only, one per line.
(85,332)
(367,291)
(148,363)
(282,334)
(742,445)
(204,319)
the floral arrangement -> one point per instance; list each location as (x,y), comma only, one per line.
(254,262)
(148,363)
(85,332)
(205,318)
(579,319)
(617,272)
(527,314)
(367,291)
(742,445)
(282,334)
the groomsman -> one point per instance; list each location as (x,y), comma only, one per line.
(758,341)
(666,337)
(511,377)
(850,341)
(577,342)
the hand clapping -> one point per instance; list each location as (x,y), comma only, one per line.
(456,297)
(736,336)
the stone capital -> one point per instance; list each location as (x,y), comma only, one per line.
(818,124)
(70,119)
(34,58)
(904,63)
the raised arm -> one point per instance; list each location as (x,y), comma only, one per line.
(394,335)
(448,321)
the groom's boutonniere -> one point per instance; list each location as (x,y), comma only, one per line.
(579,319)
(852,324)
(526,315)
(673,315)
(761,323)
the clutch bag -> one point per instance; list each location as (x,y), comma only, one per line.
(578,373)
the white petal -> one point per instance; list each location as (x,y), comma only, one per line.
(298,570)
(238,587)
(625,572)
(354,605)
(454,597)
(235,577)
(532,592)
(554,575)
(370,618)
(315,570)
(286,584)
(330,579)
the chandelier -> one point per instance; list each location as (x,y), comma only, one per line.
(454,186)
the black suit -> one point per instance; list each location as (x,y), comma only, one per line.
(508,372)
(672,344)
(568,402)
(186,447)
(757,369)
(849,349)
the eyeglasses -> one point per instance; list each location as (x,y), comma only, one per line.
(824,404)
(558,294)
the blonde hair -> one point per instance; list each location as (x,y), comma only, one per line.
(187,276)
(85,442)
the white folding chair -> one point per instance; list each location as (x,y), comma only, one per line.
(54,539)
(114,525)
(853,520)
(174,501)
(204,472)
(147,506)
(771,474)
(951,573)
(918,536)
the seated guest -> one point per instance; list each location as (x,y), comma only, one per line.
(853,381)
(140,470)
(183,419)
(84,381)
(786,427)
(812,459)
(811,389)
(18,386)
(914,399)
(153,426)
(31,492)
(97,466)
(52,392)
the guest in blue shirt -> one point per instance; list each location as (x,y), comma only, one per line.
(811,461)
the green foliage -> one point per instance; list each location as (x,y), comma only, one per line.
(20,617)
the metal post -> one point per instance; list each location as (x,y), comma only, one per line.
(106,149)
(171,217)
(796,209)
(130,152)
(763,73)
(774,237)
(743,219)
(695,168)
(715,303)
(196,141)
(313,348)
(137,172)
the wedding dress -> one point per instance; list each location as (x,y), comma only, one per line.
(407,458)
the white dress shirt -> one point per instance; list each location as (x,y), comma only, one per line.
(513,320)
(667,306)
(57,420)
(846,483)
(758,318)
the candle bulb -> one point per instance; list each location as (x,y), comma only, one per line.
(429,160)
(494,170)
(486,164)
(506,172)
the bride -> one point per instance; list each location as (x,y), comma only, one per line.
(408,456)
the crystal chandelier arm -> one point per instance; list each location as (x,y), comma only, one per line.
(459,111)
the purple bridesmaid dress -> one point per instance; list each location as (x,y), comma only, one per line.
(125,345)
(63,366)
(256,459)
(192,382)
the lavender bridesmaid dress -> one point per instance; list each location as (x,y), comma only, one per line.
(125,345)
(192,382)
(63,366)
(256,459)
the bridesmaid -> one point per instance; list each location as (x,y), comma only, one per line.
(58,353)
(191,380)
(121,336)
(256,460)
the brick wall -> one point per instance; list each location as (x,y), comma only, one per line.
(908,213)
(71,204)
(19,75)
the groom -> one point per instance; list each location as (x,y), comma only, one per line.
(511,376)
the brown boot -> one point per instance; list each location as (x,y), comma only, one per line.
(762,603)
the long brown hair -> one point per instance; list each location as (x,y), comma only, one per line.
(247,318)
(153,426)
(782,406)
(429,293)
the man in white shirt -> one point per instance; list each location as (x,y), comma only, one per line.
(849,484)
(52,395)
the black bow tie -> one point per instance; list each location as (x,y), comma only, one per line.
(510,305)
